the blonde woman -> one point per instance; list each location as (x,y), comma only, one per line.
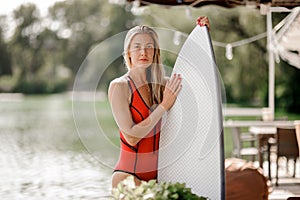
(138,100)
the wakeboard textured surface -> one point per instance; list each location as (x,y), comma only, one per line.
(191,141)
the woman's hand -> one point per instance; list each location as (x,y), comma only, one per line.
(171,91)
(203,21)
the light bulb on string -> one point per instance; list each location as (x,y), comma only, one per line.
(188,12)
(228,52)
(139,10)
(176,38)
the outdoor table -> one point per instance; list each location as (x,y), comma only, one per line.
(248,123)
(262,129)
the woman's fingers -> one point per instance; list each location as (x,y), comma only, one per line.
(173,87)
(171,81)
(203,21)
(174,82)
(178,90)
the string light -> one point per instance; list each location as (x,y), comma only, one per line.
(228,53)
(176,38)
(138,10)
(119,2)
(188,12)
(229,47)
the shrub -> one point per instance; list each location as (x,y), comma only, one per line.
(41,86)
(151,190)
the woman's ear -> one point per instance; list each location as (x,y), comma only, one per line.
(129,58)
(130,63)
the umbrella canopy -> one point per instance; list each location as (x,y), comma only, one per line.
(287,39)
(224,3)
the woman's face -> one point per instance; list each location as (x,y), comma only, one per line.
(141,51)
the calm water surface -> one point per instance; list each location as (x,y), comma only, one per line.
(41,154)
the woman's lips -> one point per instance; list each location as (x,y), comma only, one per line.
(144,60)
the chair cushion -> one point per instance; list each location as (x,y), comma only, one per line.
(245,181)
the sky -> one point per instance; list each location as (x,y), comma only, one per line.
(7,7)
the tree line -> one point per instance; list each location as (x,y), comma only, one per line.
(42,54)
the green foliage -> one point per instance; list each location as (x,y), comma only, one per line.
(88,23)
(287,89)
(24,46)
(41,86)
(151,190)
(5,57)
(7,83)
(244,75)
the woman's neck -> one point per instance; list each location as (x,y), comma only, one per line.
(138,75)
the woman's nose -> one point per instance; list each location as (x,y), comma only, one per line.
(143,50)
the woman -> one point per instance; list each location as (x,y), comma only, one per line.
(138,100)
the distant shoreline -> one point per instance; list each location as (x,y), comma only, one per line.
(9,97)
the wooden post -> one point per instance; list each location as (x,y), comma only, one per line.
(297,127)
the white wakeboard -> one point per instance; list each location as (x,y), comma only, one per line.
(191,143)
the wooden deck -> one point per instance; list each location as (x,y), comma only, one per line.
(288,187)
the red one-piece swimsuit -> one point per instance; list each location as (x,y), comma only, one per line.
(140,160)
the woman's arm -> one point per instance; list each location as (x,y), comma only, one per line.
(118,97)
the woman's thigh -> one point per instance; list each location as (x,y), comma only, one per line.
(117,177)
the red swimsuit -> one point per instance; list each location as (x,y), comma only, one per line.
(139,160)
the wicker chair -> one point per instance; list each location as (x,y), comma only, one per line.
(285,145)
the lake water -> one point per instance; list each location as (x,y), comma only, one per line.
(55,147)
(42,155)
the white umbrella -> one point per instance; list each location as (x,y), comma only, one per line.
(287,39)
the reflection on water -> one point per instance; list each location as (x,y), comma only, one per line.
(41,156)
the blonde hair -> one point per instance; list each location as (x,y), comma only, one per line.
(155,72)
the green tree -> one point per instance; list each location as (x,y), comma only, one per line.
(5,56)
(36,53)
(247,72)
(84,24)
(24,44)
(287,93)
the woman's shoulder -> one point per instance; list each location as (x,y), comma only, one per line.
(119,81)
(119,84)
